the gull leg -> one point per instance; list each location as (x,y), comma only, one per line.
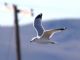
(52,42)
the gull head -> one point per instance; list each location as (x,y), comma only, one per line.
(34,39)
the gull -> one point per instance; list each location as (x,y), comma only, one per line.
(43,36)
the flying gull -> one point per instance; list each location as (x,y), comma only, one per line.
(43,36)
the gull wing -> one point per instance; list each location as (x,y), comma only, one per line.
(48,34)
(38,25)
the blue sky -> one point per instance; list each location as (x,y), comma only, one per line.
(50,8)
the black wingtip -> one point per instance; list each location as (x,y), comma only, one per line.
(39,16)
(64,28)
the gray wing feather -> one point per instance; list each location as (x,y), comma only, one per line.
(38,25)
(48,34)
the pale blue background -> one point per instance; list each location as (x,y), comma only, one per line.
(67,45)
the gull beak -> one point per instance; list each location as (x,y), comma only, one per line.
(31,41)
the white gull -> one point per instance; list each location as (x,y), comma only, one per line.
(43,36)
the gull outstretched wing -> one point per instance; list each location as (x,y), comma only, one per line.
(48,34)
(38,25)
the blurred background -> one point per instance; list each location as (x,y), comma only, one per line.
(56,14)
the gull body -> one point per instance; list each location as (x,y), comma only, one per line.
(43,36)
(42,40)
